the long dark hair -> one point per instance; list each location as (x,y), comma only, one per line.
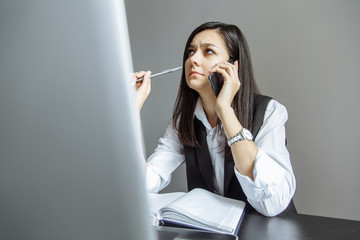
(243,102)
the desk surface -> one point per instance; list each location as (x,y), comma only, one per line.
(296,227)
(255,226)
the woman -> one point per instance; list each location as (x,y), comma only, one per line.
(213,133)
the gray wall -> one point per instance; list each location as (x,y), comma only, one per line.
(306,54)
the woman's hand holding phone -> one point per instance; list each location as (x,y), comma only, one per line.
(230,83)
(225,73)
(217,80)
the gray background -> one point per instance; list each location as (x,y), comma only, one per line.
(305,54)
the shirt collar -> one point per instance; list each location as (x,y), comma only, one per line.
(200,114)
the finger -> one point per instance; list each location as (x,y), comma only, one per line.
(146,80)
(136,76)
(146,77)
(140,74)
(236,64)
(231,69)
(223,68)
(228,66)
(222,71)
(216,68)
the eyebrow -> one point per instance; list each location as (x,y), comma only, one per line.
(204,45)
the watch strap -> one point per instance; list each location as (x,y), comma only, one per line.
(239,137)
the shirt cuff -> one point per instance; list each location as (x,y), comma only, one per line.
(268,176)
(152,181)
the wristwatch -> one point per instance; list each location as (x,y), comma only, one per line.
(242,135)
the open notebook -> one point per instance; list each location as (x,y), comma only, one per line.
(199,209)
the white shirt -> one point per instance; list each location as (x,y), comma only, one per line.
(274,181)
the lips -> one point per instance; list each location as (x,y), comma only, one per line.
(194,73)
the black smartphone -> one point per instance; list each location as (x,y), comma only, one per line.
(217,80)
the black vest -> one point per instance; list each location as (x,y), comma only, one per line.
(199,169)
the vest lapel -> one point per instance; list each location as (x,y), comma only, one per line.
(203,155)
(204,160)
(228,169)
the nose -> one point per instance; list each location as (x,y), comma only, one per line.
(195,59)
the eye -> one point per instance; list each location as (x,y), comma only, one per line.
(209,51)
(190,51)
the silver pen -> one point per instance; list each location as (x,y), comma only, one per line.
(161,73)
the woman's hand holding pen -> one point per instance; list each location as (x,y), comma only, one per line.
(230,87)
(143,84)
(143,88)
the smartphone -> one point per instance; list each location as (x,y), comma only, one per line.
(217,80)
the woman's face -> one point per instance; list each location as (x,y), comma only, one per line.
(205,51)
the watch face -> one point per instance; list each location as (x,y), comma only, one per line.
(247,134)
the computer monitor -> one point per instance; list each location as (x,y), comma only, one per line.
(70,146)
